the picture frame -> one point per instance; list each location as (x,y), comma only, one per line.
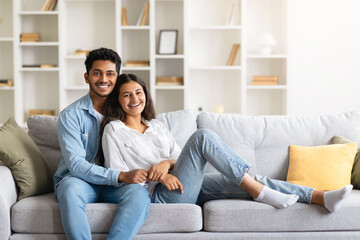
(167,41)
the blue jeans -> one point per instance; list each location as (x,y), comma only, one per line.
(74,194)
(303,192)
(203,147)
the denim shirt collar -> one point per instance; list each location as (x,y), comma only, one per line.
(87,104)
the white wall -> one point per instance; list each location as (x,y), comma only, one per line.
(325,56)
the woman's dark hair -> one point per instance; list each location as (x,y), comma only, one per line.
(102,54)
(113,110)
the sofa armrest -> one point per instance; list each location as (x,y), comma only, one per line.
(8,197)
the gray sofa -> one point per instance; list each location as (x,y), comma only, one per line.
(262,140)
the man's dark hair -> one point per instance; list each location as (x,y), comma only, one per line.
(102,54)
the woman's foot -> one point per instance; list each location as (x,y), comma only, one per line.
(334,199)
(275,198)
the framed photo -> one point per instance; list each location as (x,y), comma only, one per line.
(167,41)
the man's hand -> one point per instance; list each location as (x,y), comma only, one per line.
(172,183)
(158,171)
(134,176)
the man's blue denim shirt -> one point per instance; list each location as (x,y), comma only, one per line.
(78,129)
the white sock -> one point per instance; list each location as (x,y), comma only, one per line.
(275,198)
(334,199)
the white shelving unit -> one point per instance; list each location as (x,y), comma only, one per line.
(7,94)
(210,40)
(203,47)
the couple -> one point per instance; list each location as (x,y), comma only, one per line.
(139,162)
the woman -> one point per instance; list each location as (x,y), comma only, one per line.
(146,153)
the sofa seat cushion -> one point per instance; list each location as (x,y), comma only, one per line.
(40,214)
(250,216)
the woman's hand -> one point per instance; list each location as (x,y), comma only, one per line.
(134,176)
(158,171)
(172,183)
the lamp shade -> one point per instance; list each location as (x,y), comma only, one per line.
(267,39)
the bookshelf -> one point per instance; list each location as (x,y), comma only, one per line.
(213,82)
(7,93)
(203,48)
(261,17)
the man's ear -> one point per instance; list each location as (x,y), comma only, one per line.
(86,78)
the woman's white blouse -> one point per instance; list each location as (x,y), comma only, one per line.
(127,149)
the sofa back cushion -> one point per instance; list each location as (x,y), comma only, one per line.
(43,131)
(264,140)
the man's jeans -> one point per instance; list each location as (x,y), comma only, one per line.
(203,147)
(74,194)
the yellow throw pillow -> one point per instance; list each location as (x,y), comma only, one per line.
(325,167)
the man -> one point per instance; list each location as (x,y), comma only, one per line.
(78,179)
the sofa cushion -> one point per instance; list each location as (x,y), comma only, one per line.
(248,216)
(355,174)
(182,124)
(40,214)
(264,140)
(325,167)
(43,131)
(28,166)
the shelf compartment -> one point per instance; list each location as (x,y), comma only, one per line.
(31,5)
(96,31)
(266,102)
(39,91)
(212,88)
(261,18)
(169,99)
(213,12)
(219,43)
(6,104)
(135,46)
(40,55)
(267,67)
(6,59)
(169,68)
(6,25)
(169,15)
(133,11)
(46,25)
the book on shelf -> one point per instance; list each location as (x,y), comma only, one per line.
(6,83)
(136,63)
(169,81)
(33,112)
(39,65)
(235,48)
(234,7)
(49,5)
(48,65)
(124,20)
(265,80)
(143,15)
(81,52)
(29,37)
